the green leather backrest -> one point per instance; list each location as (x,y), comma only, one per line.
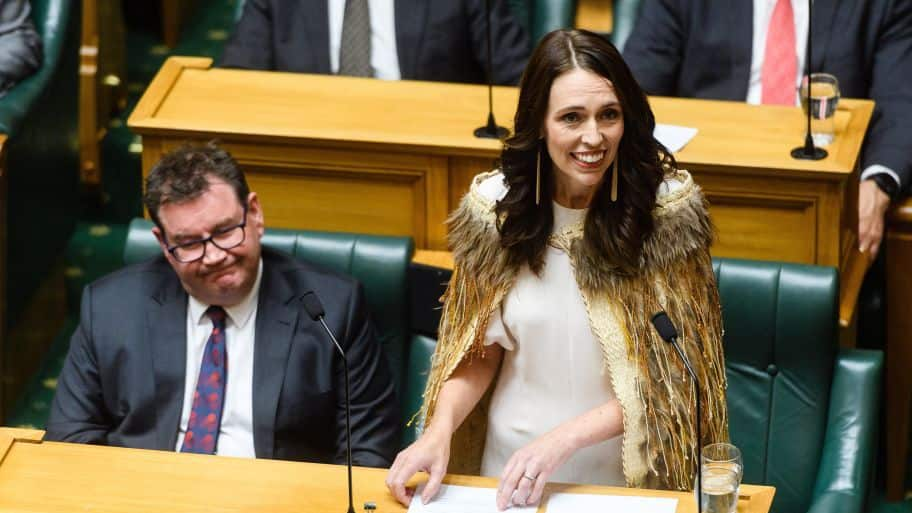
(780,349)
(238,10)
(548,15)
(379,263)
(624,16)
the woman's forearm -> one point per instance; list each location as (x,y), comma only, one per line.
(595,426)
(462,391)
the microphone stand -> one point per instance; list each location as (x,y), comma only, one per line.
(669,334)
(315,311)
(491,130)
(808,151)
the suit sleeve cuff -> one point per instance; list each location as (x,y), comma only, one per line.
(877,169)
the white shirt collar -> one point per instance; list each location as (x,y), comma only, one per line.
(240,313)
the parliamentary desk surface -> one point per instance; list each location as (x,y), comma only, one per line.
(394,158)
(56,477)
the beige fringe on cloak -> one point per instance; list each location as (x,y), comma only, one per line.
(649,380)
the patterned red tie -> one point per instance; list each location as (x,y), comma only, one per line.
(780,63)
(206,415)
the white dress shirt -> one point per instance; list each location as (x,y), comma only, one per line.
(384,58)
(763,12)
(236,433)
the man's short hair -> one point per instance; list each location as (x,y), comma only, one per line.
(183,175)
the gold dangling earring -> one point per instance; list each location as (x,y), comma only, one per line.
(614,180)
(538,174)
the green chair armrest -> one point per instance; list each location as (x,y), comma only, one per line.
(51,18)
(851,434)
(18,102)
(421,350)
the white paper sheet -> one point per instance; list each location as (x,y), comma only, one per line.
(462,499)
(674,137)
(577,502)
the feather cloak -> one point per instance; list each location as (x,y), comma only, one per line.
(651,383)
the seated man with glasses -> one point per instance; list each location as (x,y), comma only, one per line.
(207,348)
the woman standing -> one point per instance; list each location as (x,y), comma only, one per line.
(562,257)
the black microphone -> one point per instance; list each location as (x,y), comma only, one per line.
(490,130)
(808,151)
(669,334)
(315,310)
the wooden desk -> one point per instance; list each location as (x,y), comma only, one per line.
(94,478)
(3,203)
(350,154)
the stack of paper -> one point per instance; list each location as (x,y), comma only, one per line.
(469,499)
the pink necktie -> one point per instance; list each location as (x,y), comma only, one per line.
(780,64)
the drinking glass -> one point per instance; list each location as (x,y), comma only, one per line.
(824,98)
(723,469)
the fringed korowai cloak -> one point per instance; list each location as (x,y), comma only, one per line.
(649,380)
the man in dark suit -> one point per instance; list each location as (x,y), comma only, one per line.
(439,40)
(714,49)
(207,348)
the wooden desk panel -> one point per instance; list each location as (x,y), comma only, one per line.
(308,142)
(94,478)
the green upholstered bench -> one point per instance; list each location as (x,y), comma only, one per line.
(803,411)
(379,263)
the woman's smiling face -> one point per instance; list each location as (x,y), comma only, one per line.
(583,127)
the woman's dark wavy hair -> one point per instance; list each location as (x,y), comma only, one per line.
(614,231)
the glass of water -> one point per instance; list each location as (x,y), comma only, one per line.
(824,98)
(722,472)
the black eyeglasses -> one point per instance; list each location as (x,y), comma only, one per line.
(224,239)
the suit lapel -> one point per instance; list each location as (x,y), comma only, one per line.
(277,315)
(166,333)
(823,12)
(411,19)
(741,23)
(316,25)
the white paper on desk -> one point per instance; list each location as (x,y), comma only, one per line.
(576,502)
(462,499)
(674,137)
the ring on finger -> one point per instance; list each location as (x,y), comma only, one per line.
(527,476)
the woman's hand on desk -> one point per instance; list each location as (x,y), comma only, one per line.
(523,479)
(431,454)
(528,470)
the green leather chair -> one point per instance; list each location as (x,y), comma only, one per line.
(624,15)
(803,412)
(39,117)
(542,16)
(379,263)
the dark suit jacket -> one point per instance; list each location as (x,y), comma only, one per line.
(123,380)
(441,40)
(702,49)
